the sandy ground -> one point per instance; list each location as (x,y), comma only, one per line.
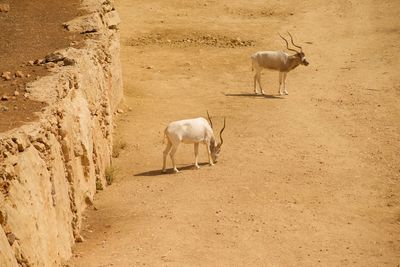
(309,179)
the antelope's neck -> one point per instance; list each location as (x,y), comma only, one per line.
(293,62)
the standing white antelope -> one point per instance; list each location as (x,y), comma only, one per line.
(192,131)
(279,61)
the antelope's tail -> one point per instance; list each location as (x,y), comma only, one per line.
(165,136)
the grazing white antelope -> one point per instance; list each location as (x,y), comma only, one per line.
(192,131)
(277,60)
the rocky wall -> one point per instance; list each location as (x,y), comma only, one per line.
(50,168)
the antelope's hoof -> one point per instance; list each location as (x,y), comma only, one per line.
(262,92)
(286,93)
(196,167)
(164,171)
(176,171)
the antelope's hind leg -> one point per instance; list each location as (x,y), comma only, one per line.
(165,153)
(172,155)
(255,83)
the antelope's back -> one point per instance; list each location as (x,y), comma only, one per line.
(189,130)
(270,59)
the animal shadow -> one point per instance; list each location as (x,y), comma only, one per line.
(169,170)
(254,95)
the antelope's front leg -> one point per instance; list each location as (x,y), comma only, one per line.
(259,82)
(196,153)
(209,155)
(284,83)
(280,82)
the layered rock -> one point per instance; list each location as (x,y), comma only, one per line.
(49,169)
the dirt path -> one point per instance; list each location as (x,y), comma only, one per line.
(308,179)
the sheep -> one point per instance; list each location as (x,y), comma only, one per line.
(192,131)
(279,61)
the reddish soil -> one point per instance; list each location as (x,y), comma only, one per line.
(29,31)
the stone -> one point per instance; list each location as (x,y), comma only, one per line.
(16,93)
(85,24)
(4,8)
(7,228)
(3,217)
(4,98)
(12,159)
(6,75)
(62,132)
(112,20)
(19,74)
(120,111)
(69,62)
(79,239)
(9,172)
(21,141)
(50,65)
(54,57)
(39,146)
(11,238)
(108,6)
(88,200)
(38,62)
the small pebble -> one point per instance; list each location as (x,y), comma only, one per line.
(19,74)
(6,75)
(4,8)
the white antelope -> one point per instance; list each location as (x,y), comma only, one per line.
(192,131)
(277,60)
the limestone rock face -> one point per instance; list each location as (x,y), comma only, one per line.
(49,168)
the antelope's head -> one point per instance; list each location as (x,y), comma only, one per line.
(216,148)
(298,54)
